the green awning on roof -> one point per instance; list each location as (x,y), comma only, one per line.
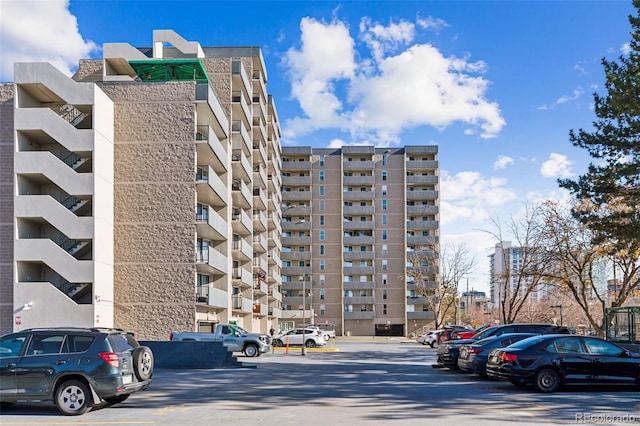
(170,70)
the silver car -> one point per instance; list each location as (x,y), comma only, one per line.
(312,338)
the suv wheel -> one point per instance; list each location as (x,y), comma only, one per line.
(143,363)
(310,344)
(277,343)
(251,350)
(72,398)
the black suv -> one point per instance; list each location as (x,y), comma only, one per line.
(448,353)
(76,368)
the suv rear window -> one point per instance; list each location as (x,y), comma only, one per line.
(122,342)
(79,343)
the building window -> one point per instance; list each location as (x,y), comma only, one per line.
(384,204)
(384,264)
(321,189)
(321,220)
(384,279)
(322,264)
(322,279)
(384,160)
(322,309)
(384,250)
(321,235)
(321,175)
(384,309)
(322,294)
(384,175)
(321,205)
(322,250)
(384,189)
(384,219)
(384,294)
(384,234)
(322,161)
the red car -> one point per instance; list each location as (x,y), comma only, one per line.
(466,334)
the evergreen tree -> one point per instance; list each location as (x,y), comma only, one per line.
(610,189)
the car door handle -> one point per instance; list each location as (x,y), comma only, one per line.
(10,365)
(61,362)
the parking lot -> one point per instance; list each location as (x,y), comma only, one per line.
(362,381)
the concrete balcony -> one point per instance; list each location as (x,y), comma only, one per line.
(242,304)
(358,255)
(241,194)
(210,150)
(211,226)
(355,210)
(359,240)
(358,195)
(295,226)
(296,270)
(240,166)
(296,255)
(420,315)
(423,179)
(259,198)
(216,297)
(260,245)
(210,111)
(359,315)
(240,138)
(259,131)
(299,241)
(242,250)
(358,224)
(210,189)
(424,210)
(296,196)
(358,270)
(357,165)
(416,300)
(359,180)
(358,285)
(290,166)
(359,300)
(422,194)
(211,262)
(242,277)
(260,179)
(241,223)
(422,165)
(422,224)
(260,309)
(296,181)
(419,239)
(297,210)
(240,109)
(261,287)
(240,79)
(259,221)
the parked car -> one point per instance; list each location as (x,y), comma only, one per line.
(430,338)
(325,334)
(447,355)
(550,361)
(448,330)
(312,338)
(76,368)
(472,358)
(466,333)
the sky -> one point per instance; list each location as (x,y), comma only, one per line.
(497,85)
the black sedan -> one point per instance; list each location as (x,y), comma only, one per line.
(472,358)
(549,361)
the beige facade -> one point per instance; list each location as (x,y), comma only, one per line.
(357,223)
(174,182)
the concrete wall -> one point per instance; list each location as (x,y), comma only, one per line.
(6,207)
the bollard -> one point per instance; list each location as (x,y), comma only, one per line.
(286,348)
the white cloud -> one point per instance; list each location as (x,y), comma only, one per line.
(557,166)
(392,93)
(469,196)
(502,162)
(40,31)
(626,49)
(430,22)
(576,94)
(381,39)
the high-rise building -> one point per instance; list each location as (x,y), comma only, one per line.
(146,193)
(142,193)
(357,223)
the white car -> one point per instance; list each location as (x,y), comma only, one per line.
(430,338)
(312,338)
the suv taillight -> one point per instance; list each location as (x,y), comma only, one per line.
(110,358)
(474,350)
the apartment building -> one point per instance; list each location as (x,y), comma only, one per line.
(142,193)
(358,222)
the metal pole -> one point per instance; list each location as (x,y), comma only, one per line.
(304,317)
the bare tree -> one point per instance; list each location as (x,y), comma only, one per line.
(578,264)
(438,286)
(522,263)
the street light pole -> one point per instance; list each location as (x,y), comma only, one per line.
(303,351)
(559,307)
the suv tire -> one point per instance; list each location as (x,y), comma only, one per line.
(251,350)
(310,343)
(73,398)
(143,362)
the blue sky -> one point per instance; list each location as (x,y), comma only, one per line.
(497,85)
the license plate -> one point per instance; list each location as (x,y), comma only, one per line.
(127,379)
